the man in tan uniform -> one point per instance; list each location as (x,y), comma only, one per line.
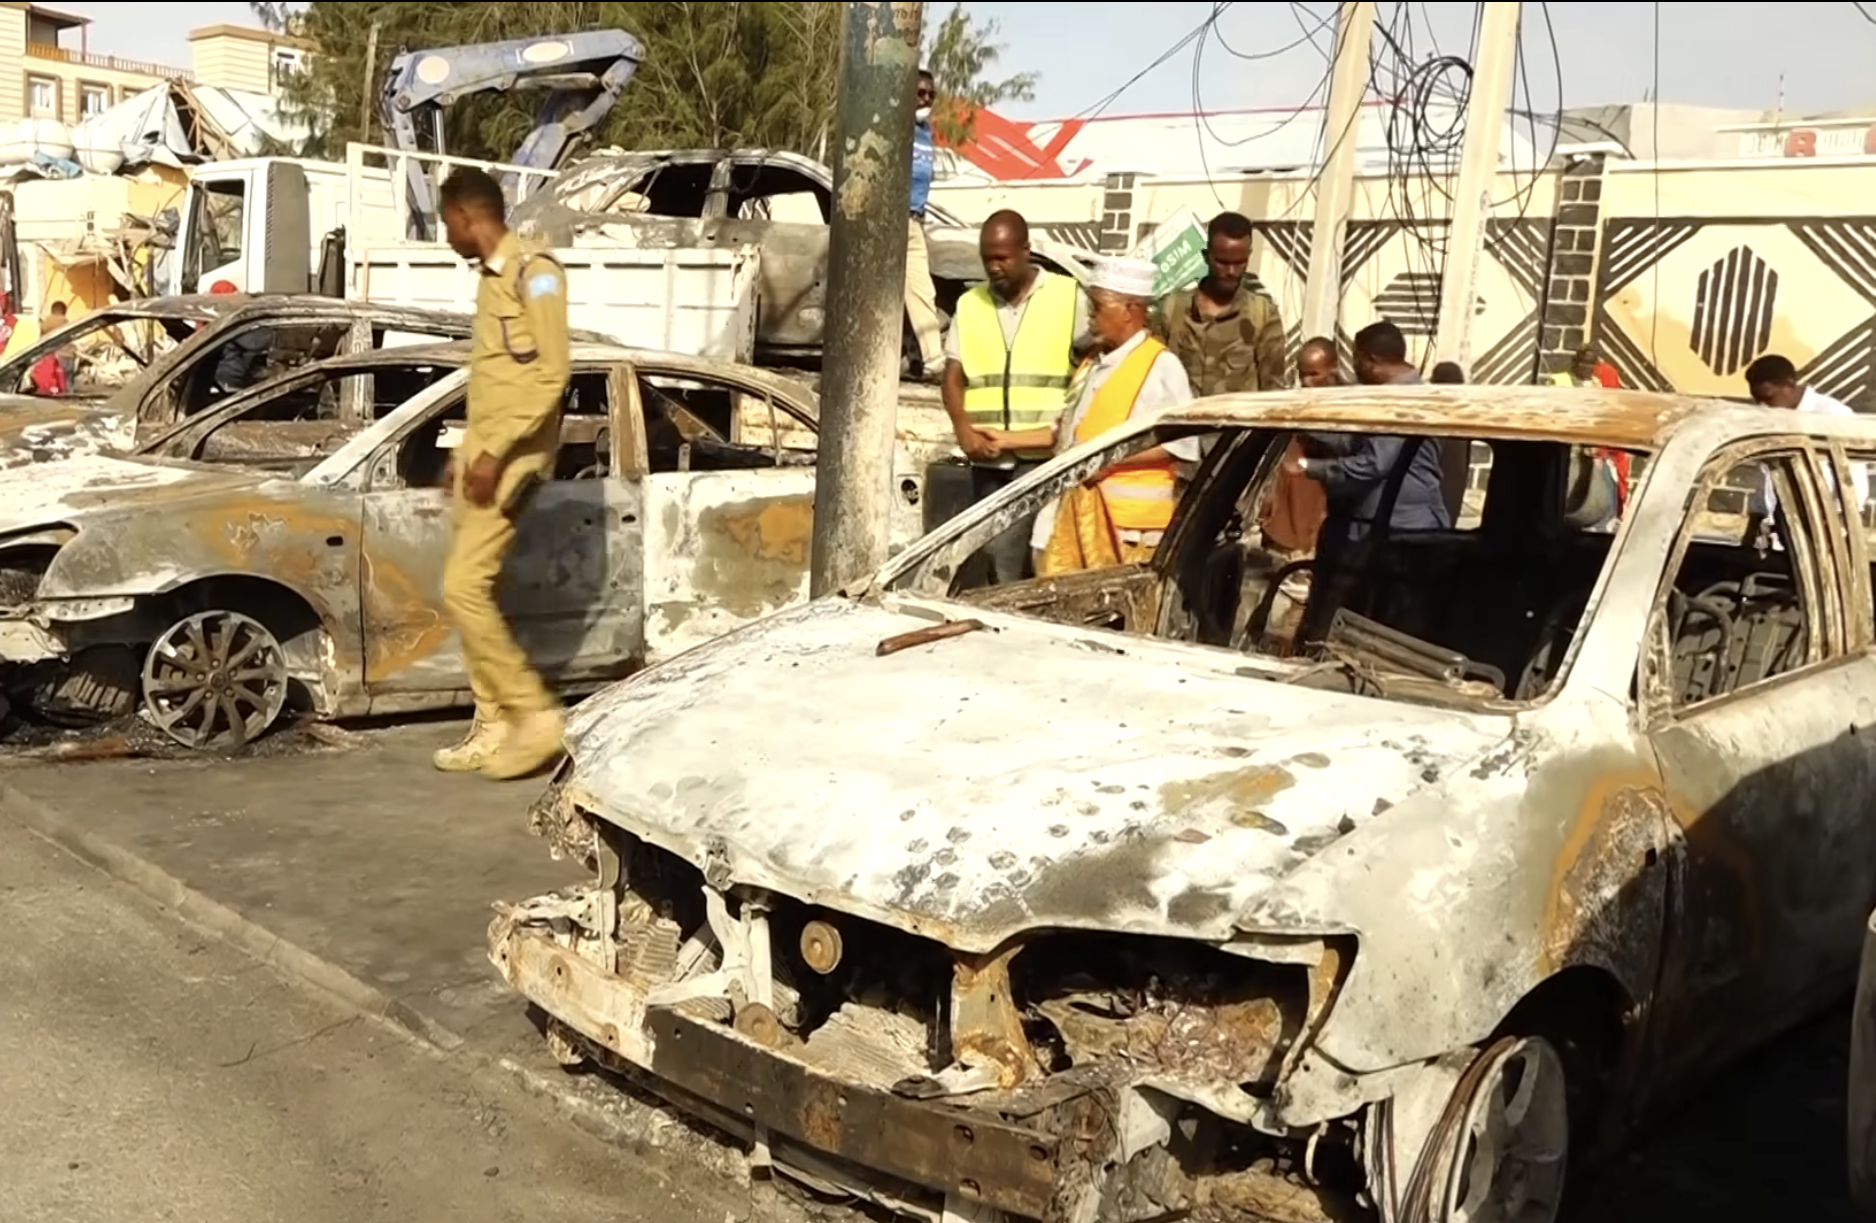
(518,369)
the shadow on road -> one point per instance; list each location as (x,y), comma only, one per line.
(1764,1142)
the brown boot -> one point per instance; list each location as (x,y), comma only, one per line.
(477,747)
(530,744)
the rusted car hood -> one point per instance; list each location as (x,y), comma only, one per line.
(40,430)
(51,493)
(1026,776)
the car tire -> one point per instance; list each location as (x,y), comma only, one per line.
(1427,1157)
(98,685)
(215,680)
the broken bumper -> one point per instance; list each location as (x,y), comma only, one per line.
(940,1147)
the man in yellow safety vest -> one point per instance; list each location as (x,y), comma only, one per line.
(1121,515)
(1008,357)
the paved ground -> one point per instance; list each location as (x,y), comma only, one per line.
(363,868)
(151,1073)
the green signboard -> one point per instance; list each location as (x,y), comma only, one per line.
(1177,249)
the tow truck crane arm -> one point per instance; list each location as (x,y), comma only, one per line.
(585,73)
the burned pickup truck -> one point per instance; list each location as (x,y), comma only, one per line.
(780,202)
(1098,897)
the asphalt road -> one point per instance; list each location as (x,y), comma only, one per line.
(1764,1141)
(149,1073)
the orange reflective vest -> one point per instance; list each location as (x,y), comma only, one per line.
(1137,498)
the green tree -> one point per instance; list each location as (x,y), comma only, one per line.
(961,57)
(714,75)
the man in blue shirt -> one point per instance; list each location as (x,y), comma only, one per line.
(1374,482)
(921,296)
(1368,474)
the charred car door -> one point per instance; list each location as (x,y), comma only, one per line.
(767,199)
(570,586)
(1755,693)
(727,524)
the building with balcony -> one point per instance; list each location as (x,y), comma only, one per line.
(46,51)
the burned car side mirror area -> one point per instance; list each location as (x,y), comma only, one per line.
(939,559)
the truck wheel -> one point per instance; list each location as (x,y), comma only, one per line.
(215,681)
(1498,1152)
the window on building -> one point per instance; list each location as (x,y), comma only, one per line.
(42,96)
(93,100)
(286,61)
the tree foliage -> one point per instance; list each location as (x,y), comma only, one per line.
(752,75)
(961,57)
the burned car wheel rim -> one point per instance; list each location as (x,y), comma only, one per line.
(217,679)
(1510,1156)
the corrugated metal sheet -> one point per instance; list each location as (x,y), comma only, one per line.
(149,126)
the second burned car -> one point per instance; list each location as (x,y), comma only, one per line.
(1092,899)
(211,347)
(286,546)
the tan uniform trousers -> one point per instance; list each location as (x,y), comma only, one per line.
(921,298)
(504,682)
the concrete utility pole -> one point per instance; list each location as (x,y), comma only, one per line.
(1335,186)
(865,291)
(1493,61)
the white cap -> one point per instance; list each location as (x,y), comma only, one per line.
(1127,277)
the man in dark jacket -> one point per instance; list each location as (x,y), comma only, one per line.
(1369,478)
(1363,472)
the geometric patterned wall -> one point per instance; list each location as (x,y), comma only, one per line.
(1390,269)
(1688,302)
(1694,271)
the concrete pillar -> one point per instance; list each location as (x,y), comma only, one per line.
(1567,321)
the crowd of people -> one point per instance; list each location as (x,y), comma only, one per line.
(1033,364)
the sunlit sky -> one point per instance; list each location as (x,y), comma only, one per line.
(1817,56)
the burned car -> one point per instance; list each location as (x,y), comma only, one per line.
(779,202)
(233,348)
(286,546)
(115,343)
(1096,897)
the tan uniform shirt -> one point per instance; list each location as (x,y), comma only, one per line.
(519,363)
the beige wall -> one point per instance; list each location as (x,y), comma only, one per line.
(1705,268)
(1685,271)
(231,57)
(1392,257)
(236,57)
(74,79)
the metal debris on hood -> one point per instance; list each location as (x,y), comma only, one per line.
(925,636)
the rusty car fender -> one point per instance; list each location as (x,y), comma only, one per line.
(1533,859)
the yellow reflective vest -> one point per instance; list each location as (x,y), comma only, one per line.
(1137,498)
(1020,386)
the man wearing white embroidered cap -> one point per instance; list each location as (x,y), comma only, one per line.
(1133,373)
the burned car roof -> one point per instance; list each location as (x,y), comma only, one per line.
(594,184)
(182,305)
(1576,415)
